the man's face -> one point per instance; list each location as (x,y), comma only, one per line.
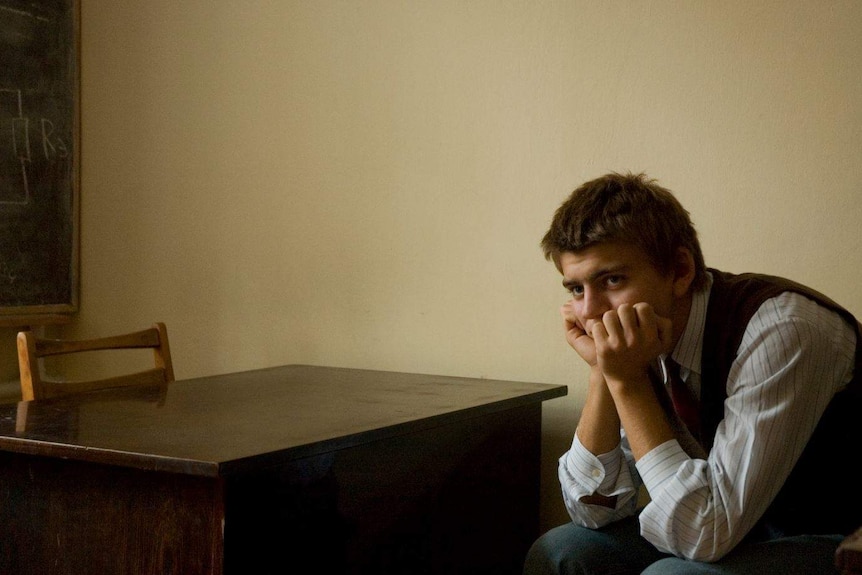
(604,276)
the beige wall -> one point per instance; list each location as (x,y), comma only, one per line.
(365,183)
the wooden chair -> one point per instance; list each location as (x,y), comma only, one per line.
(31,348)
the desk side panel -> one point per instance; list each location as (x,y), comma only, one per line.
(461,498)
(61,517)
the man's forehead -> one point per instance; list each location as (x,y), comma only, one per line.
(609,256)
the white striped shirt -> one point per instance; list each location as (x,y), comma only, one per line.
(794,356)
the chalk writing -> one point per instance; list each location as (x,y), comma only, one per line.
(13,141)
(16,151)
(7,274)
(39,84)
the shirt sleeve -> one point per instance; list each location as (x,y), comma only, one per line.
(795,355)
(581,473)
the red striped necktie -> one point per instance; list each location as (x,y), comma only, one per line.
(684,402)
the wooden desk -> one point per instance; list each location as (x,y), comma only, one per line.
(342,470)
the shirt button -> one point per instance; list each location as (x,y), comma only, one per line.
(596,473)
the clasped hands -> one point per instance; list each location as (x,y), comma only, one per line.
(622,343)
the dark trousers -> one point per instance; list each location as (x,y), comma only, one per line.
(619,549)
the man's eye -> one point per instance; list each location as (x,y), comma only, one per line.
(577,291)
(613,281)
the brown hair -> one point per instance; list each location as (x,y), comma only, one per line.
(626,208)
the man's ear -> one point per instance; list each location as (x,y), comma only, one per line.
(683,271)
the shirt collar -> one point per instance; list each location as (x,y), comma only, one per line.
(689,348)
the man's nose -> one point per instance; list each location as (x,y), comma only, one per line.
(594,305)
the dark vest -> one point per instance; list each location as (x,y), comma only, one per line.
(814,499)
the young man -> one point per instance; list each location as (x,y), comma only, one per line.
(757,481)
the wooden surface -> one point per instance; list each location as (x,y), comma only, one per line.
(216,425)
(64,517)
(353,471)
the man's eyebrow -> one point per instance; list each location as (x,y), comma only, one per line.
(610,270)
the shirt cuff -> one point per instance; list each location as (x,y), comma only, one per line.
(586,474)
(659,465)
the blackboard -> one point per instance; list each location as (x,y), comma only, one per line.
(39,159)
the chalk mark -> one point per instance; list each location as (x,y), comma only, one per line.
(19,122)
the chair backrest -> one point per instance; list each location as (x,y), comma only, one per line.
(31,348)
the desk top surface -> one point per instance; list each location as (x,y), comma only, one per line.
(217,425)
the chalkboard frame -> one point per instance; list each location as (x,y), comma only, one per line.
(61,310)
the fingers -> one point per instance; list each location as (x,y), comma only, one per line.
(655,325)
(631,326)
(629,333)
(599,333)
(570,320)
(647,318)
(568,312)
(577,336)
(622,326)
